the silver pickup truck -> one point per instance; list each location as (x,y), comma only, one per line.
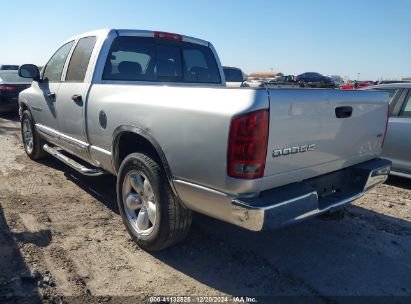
(152,108)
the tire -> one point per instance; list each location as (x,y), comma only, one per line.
(170,222)
(34,150)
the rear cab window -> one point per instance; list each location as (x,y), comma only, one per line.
(159,60)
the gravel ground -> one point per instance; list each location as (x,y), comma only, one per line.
(62,240)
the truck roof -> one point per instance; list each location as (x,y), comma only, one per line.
(137,33)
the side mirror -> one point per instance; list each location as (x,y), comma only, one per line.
(29,71)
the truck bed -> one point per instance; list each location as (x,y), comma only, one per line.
(191,125)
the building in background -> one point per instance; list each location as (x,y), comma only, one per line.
(262,75)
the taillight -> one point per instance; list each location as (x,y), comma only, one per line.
(168,36)
(386,127)
(247,145)
(6,88)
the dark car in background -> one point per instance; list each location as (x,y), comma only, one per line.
(315,80)
(8,67)
(234,77)
(285,81)
(11,84)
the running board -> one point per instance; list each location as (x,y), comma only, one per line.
(72,163)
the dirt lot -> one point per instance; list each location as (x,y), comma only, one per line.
(61,238)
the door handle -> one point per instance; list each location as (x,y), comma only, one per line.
(343,112)
(51,95)
(76,98)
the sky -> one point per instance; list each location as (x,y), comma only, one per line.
(334,37)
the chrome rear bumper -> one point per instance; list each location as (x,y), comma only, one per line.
(291,203)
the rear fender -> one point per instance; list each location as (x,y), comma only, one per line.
(119,131)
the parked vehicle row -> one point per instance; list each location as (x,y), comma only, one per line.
(305,80)
(308,80)
(153,109)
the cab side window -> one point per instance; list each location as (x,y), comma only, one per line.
(80,59)
(54,68)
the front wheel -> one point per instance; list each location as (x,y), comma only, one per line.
(152,214)
(32,142)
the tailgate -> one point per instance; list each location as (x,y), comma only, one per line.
(306,138)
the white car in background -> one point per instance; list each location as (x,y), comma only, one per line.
(255,82)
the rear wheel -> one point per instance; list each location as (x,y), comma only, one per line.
(32,142)
(152,214)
